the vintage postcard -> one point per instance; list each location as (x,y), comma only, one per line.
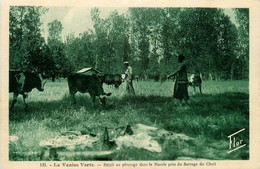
(130,84)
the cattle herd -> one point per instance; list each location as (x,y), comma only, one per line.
(21,82)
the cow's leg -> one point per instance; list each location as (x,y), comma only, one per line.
(194,89)
(102,100)
(72,97)
(26,105)
(132,88)
(14,100)
(93,97)
(200,89)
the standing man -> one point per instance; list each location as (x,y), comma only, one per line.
(129,79)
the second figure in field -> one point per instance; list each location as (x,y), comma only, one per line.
(129,79)
(181,82)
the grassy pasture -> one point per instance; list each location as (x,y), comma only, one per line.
(222,110)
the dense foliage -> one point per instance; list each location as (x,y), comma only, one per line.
(149,38)
(26,42)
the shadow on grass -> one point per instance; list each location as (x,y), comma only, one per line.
(209,117)
(158,108)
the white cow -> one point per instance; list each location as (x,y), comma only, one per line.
(195,81)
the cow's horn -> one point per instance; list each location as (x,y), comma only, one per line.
(44,83)
(40,75)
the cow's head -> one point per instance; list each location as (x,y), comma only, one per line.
(111,79)
(40,83)
(103,98)
(117,80)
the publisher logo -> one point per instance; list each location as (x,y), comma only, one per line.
(235,142)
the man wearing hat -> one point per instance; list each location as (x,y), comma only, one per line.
(129,79)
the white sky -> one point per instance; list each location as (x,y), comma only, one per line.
(78,19)
(74,19)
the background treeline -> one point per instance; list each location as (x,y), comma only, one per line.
(149,38)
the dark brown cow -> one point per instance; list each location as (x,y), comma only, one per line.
(21,82)
(111,79)
(86,83)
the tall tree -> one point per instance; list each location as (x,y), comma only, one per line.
(111,41)
(58,62)
(207,37)
(100,40)
(140,21)
(55,28)
(242,17)
(26,42)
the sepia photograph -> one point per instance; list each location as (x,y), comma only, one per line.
(126,85)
